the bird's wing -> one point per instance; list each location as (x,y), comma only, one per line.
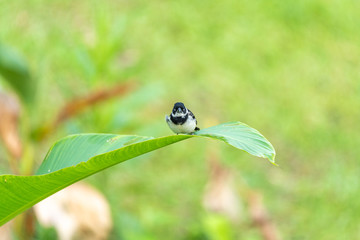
(192,115)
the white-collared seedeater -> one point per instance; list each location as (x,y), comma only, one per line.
(182,120)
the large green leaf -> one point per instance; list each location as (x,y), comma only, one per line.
(78,156)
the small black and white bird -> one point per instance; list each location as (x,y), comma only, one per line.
(182,120)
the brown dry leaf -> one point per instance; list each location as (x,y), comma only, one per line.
(9,116)
(260,218)
(6,230)
(78,211)
(76,106)
(220,194)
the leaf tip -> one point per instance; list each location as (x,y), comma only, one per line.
(271,159)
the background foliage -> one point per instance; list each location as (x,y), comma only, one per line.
(289,69)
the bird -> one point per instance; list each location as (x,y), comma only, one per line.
(182,120)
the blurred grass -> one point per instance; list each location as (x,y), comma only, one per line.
(288,69)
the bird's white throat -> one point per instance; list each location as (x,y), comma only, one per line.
(177,114)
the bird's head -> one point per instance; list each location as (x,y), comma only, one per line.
(179,110)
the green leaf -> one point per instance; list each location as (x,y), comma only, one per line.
(79,156)
(243,137)
(15,71)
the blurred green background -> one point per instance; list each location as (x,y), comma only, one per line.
(287,68)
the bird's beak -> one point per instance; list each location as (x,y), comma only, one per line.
(179,110)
